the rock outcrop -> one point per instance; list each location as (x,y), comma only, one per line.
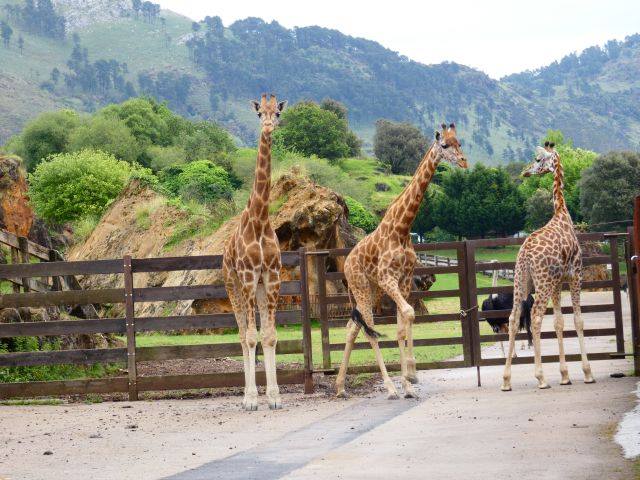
(16,215)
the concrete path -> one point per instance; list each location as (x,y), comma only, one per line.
(456,430)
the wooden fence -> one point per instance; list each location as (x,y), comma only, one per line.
(130,325)
(467,296)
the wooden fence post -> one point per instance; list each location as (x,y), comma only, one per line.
(23,247)
(307,345)
(321,267)
(617,301)
(634,274)
(471,318)
(633,301)
(15,259)
(131,329)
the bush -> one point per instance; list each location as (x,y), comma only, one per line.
(310,130)
(71,186)
(399,145)
(110,135)
(46,135)
(201,180)
(360,216)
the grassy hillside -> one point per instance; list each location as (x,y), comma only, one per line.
(499,121)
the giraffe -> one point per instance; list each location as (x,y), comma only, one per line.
(251,267)
(383,262)
(548,257)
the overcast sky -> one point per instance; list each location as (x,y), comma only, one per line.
(496,36)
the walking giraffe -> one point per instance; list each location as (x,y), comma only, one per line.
(383,262)
(548,257)
(251,267)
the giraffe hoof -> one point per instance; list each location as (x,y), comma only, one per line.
(393,396)
(544,386)
(277,405)
(250,404)
(411,393)
(590,380)
(342,394)
(505,388)
(566,382)
(412,379)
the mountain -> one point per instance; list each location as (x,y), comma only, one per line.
(108,50)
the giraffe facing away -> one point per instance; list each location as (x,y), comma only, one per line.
(547,258)
(251,267)
(383,262)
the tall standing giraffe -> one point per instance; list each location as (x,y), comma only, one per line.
(548,257)
(251,267)
(383,262)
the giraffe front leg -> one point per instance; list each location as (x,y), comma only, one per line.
(539,307)
(267,297)
(558,324)
(250,402)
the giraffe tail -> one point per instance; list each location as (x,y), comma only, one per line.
(356,316)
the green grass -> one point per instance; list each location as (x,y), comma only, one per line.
(502,254)
(32,402)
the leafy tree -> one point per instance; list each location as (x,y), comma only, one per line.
(399,145)
(310,130)
(201,180)
(425,219)
(21,44)
(608,187)
(574,161)
(195,26)
(206,140)
(5,31)
(46,135)
(110,135)
(335,106)
(70,186)
(539,207)
(359,216)
(136,5)
(478,203)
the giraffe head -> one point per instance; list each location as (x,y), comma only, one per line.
(545,160)
(448,147)
(268,111)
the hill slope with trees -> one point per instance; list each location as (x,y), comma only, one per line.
(110,50)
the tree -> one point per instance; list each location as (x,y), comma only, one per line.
(71,186)
(608,187)
(195,26)
(399,145)
(46,135)
(425,220)
(539,208)
(55,75)
(21,45)
(109,135)
(136,5)
(6,31)
(478,203)
(335,106)
(310,130)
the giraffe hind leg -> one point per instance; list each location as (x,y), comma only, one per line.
(267,308)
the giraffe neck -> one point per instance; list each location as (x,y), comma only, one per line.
(259,199)
(559,204)
(403,210)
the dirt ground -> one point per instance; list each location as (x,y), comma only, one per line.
(455,430)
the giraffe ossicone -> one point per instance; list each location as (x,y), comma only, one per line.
(251,266)
(384,261)
(548,257)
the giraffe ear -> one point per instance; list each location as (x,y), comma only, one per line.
(281,105)
(437,135)
(255,105)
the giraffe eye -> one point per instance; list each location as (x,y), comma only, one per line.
(277,114)
(259,114)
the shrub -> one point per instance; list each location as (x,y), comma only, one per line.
(110,135)
(71,186)
(201,180)
(360,216)
(46,135)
